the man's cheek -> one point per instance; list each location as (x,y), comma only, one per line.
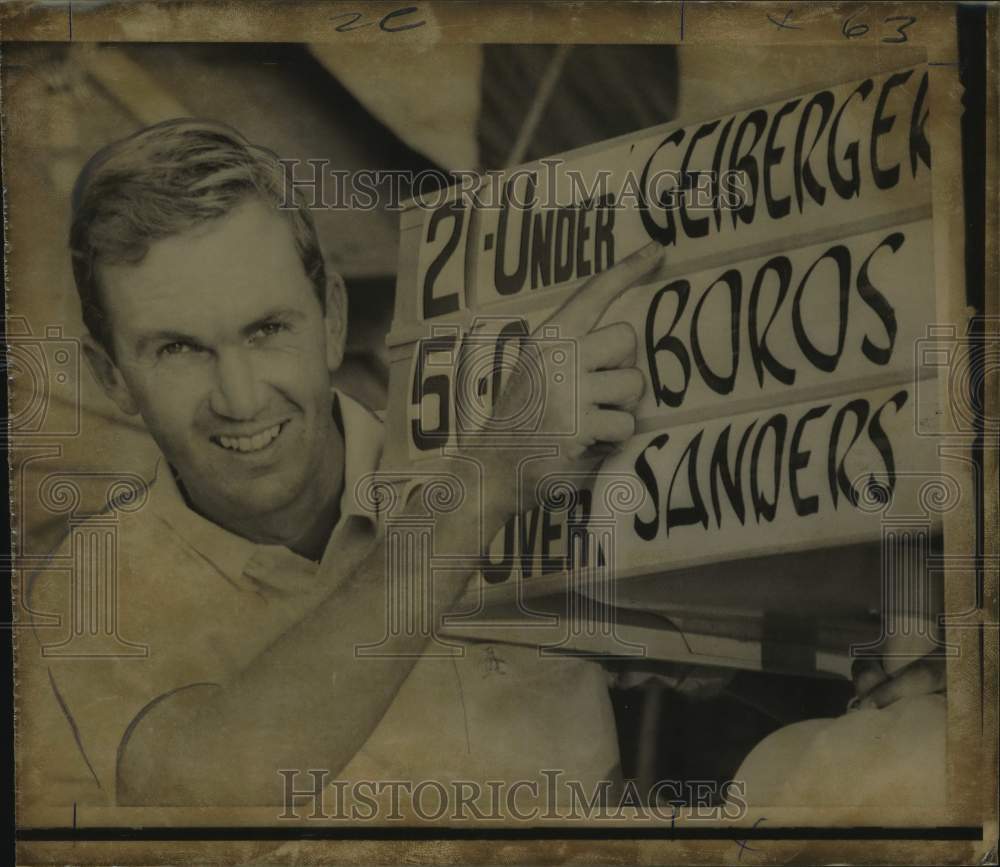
(303,385)
(306,351)
(172,423)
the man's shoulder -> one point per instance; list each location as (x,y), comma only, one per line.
(111,537)
(129,504)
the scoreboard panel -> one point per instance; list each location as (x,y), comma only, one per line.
(786,411)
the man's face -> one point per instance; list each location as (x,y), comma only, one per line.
(222,346)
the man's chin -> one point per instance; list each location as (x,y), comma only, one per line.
(255,505)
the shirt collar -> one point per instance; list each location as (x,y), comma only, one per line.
(364,437)
(241,560)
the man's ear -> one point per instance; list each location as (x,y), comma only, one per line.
(335,320)
(107,374)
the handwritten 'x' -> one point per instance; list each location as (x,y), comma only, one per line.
(743,843)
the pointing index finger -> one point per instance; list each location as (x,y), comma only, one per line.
(582,310)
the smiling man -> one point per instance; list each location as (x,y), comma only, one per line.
(227,360)
(254,571)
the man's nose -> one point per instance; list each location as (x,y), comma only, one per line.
(237,393)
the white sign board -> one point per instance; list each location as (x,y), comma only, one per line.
(777,341)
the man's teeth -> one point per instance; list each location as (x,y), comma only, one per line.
(250,444)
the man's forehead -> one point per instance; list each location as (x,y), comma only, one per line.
(252,238)
(230,268)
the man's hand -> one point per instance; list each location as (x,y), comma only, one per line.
(608,385)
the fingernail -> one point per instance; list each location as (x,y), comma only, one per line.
(652,250)
(867,704)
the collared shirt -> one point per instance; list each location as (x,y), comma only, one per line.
(189,602)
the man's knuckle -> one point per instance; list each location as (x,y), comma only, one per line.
(636,381)
(625,426)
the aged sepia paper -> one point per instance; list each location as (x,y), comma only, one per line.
(502,432)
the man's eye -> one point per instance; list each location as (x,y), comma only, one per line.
(178,347)
(268,329)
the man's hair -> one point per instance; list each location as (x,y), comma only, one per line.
(161,181)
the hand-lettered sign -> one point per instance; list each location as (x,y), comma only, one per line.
(809,474)
(777,341)
(853,152)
